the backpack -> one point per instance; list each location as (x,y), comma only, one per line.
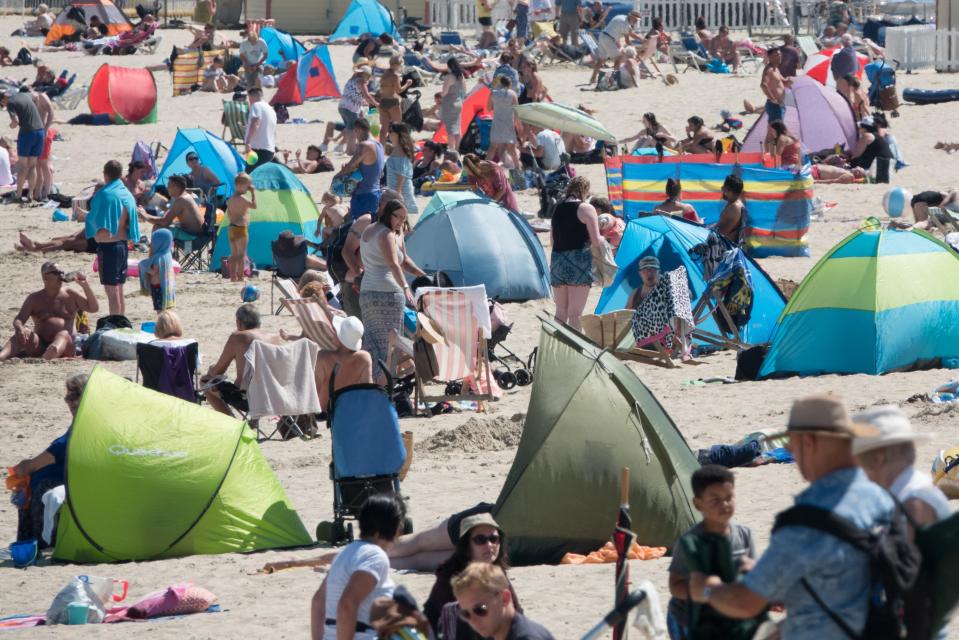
(413,111)
(333,250)
(895,567)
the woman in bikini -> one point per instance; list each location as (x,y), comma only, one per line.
(673,206)
(391,88)
(699,139)
(651,133)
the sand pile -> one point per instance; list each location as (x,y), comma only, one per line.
(477,434)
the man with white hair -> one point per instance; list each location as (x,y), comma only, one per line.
(889,458)
(843,63)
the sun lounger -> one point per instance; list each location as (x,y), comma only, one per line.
(679,54)
(808,46)
(71,98)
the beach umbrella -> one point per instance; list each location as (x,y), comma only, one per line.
(817,66)
(623,539)
(550,115)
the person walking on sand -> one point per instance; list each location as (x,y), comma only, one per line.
(260,130)
(773,86)
(238,212)
(53,311)
(111,222)
(26,118)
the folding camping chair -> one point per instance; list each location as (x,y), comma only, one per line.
(71,98)
(729,281)
(189,249)
(370,455)
(315,321)
(275,386)
(461,354)
(945,220)
(288,267)
(170,369)
(612,331)
(808,46)
(235,118)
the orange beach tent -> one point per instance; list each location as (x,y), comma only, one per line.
(105,10)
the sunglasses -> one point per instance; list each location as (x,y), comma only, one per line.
(479,610)
(479,539)
(193,159)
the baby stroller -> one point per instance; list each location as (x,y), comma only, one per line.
(551,187)
(507,378)
(368,453)
(882,86)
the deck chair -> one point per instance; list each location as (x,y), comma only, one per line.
(170,370)
(286,267)
(315,320)
(288,291)
(187,71)
(728,298)
(944,219)
(460,353)
(71,98)
(280,381)
(195,252)
(612,331)
(680,54)
(808,46)
(235,117)
(151,44)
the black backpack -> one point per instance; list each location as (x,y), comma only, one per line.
(333,250)
(895,567)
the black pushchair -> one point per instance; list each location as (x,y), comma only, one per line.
(514,371)
(412,110)
(551,187)
(368,453)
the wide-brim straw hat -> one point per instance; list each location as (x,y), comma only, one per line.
(892,426)
(824,415)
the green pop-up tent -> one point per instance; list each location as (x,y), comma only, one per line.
(150,476)
(589,416)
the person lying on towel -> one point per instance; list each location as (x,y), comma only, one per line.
(662,311)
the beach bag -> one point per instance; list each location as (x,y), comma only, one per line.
(412,111)
(96,593)
(608,81)
(888,99)
(23,58)
(895,563)
(604,264)
(424,359)
(750,361)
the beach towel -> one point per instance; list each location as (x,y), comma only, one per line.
(665,311)
(107,206)
(607,554)
(161,250)
(478,303)
(52,501)
(275,385)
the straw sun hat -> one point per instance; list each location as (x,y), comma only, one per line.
(824,415)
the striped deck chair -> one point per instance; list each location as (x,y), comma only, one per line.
(315,321)
(235,117)
(462,353)
(288,291)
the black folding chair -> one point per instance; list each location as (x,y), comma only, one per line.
(291,267)
(179,380)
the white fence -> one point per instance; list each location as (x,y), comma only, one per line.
(453,14)
(923,47)
(738,16)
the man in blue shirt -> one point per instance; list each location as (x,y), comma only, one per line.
(112,221)
(820,437)
(570,15)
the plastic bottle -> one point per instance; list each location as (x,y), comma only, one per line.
(374,119)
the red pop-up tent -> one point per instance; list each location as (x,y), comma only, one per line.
(129,95)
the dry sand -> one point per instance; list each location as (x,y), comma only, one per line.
(451,470)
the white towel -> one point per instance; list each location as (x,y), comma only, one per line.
(478,302)
(52,501)
(650,623)
(280,380)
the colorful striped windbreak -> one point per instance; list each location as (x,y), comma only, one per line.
(778,201)
(881,300)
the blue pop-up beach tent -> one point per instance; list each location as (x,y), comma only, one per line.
(365,16)
(213,152)
(671,239)
(282,203)
(881,300)
(476,241)
(284,48)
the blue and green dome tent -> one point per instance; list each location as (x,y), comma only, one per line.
(671,239)
(213,152)
(880,300)
(365,16)
(282,203)
(476,241)
(283,47)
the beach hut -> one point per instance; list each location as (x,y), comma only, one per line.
(283,47)
(311,77)
(881,300)
(672,240)
(214,153)
(149,476)
(779,201)
(816,114)
(476,241)
(365,16)
(128,95)
(282,204)
(76,15)
(562,492)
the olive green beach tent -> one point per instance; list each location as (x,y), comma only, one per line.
(150,476)
(589,416)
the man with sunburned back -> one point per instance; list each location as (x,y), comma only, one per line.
(225,394)
(53,310)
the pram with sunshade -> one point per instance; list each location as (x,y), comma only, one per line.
(368,453)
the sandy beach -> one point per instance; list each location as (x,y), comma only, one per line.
(450,472)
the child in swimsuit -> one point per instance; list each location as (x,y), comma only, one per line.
(238,212)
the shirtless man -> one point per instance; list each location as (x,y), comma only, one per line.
(182,210)
(827,173)
(731,220)
(722,47)
(355,365)
(774,86)
(391,88)
(226,393)
(53,310)
(44,168)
